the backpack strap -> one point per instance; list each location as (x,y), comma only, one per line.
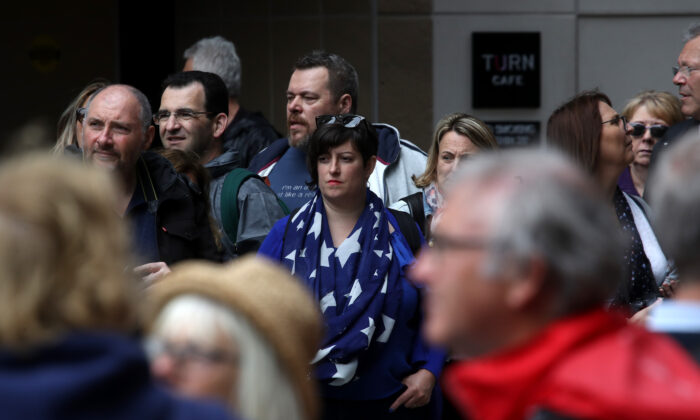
(229,200)
(415,207)
(408,228)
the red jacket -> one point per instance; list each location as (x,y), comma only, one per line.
(590,366)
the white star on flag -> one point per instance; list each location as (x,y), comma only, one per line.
(316,226)
(390,253)
(313,274)
(379,252)
(376,222)
(344,372)
(354,292)
(386,281)
(325,254)
(388,327)
(301,210)
(291,257)
(300,226)
(302,254)
(327,301)
(371,206)
(321,354)
(349,246)
(369,331)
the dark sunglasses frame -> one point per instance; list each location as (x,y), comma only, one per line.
(346,120)
(80,114)
(638,129)
(616,121)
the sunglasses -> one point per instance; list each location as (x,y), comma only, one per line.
(346,120)
(657,130)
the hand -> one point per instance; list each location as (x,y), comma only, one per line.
(668,288)
(152,272)
(640,318)
(419,386)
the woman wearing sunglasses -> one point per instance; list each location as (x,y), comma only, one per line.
(589,130)
(650,113)
(351,253)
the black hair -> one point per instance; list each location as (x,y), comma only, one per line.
(342,76)
(330,136)
(215,92)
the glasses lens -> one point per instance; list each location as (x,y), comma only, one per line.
(675,70)
(161,117)
(352,121)
(658,131)
(638,129)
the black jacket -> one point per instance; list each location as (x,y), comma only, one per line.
(248,134)
(182,225)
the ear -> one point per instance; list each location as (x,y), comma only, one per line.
(149,137)
(371,163)
(220,122)
(345,103)
(526,285)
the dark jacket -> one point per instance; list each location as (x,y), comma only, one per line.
(248,134)
(182,225)
(89,375)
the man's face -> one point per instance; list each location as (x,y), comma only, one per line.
(113,133)
(689,82)
(193,134)
(308,96)
(464,308)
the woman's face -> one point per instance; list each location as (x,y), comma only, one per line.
(615,146)
(644,144)
(342,177)
(197,370)
(453,147)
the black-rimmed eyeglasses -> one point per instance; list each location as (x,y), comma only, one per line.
(616,121)
(161,117)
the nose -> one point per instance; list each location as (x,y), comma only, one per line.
(172,123)
(647,135)
(334,166)
(104,139)
(294,105)
(164,368)
(678,78)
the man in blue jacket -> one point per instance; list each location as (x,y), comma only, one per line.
(325,83)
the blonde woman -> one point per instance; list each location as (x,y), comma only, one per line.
(70,125)
(68,312)
(457,137)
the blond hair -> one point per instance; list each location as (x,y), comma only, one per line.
(66,124)
(661,105)
(463,124)
(63,252)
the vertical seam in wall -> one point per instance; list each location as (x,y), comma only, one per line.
(321,25)
(577,49)
(374,59)
(271,60)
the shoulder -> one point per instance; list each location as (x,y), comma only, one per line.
(268,155)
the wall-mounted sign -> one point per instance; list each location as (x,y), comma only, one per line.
(515,133)
(506,69)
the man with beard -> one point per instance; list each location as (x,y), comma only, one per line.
(192,117)
(323,83)
(169,220)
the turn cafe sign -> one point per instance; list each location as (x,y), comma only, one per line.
(506,69)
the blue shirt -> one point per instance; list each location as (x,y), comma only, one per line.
(289,178)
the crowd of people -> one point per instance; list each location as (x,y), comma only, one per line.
(389,283)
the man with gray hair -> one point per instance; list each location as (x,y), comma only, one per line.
(168,216)
(247,132)
(686,75)
(519,269)
(675,201)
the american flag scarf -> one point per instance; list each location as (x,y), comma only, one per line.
(357,284)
